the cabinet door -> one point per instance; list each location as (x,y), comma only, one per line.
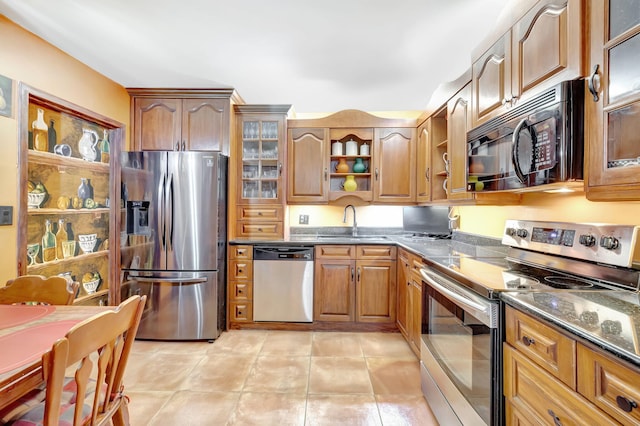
(492,81)
(423,162)
(415,314)
(157,124)
(546,45)
(459,122)
(376,291)
(395,166)
(205,124)
(334,290)
(402,294)
(308,173)
(613,113)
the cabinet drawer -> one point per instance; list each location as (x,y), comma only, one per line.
(531,389)
(241,252)
(548,348)
(336,252)
(240,270)
(376,252)
(259,229)
(241,312)
(262,213)
(610,385)
(240,291)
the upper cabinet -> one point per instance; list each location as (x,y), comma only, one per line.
(613,106)
(179,120)
(69,186)
(542,48)
(260,135)
(351,157)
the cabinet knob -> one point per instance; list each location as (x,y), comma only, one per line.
(626,404)
(177,146)
(556,419)
(426,174)
(594,83)
(376,173)
(183,145)
(528,341)
(280,169)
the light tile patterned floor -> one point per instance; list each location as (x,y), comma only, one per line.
(250,377)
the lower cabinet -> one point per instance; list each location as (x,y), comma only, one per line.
(409,298)
(542,384)
(355,283)
(240,284)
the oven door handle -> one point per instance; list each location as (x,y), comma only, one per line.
(460,299)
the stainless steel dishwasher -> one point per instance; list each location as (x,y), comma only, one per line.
(283,283)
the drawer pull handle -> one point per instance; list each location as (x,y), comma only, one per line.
(556,419)
(528,341)
(626,404)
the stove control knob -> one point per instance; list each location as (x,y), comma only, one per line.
(510,232)
(587,240)
(522,233)
(610,243)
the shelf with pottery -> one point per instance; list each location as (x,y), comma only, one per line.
(66,184)
(350,163)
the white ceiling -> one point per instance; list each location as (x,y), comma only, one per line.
(320,55)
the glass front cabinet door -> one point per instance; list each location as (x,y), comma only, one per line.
(67,181)
(613,104)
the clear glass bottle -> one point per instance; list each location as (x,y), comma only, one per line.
(61,236)
(40,132)
(105,147)
(48,243)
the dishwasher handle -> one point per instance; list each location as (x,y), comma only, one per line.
(286,253)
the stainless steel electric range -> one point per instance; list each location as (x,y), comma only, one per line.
(587,272)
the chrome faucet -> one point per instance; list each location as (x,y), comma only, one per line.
(354,229)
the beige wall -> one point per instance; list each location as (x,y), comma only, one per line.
(27,58)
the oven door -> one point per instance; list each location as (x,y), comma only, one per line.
(460,353)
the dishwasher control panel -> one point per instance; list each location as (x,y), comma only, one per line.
(283,253)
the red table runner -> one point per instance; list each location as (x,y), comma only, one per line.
(27,345)
(12,315)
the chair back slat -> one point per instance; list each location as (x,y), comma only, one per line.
(37,288)
(97,351)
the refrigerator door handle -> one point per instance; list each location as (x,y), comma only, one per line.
(171,212)
(194,280)
(161,196)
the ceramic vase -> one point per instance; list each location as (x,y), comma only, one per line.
(85,190)
(40,133)
(350,184)
(342,166)
(359,166)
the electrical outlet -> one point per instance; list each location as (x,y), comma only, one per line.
(303,219)
(6,215)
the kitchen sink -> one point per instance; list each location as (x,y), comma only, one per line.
(352,238)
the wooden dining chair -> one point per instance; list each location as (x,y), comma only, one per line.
(38,289)
(84,371)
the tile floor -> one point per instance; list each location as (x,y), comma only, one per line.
(251,377)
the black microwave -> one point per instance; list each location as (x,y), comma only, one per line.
(538,142)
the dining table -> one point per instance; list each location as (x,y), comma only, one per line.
(27,332)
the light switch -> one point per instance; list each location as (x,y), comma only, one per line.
(6,215)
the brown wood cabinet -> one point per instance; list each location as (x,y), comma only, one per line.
(409,298)
(179,120)
(551,378)
(542,48)
(395,167)
(389,174)
(355,283)
(240,285)
(613,107)
(307,165)
(459,122)
(258,174)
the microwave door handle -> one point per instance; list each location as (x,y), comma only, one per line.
(515,157)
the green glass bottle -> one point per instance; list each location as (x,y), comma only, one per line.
(48,243)
(105,148)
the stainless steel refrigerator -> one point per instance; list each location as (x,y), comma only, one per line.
(173,240)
